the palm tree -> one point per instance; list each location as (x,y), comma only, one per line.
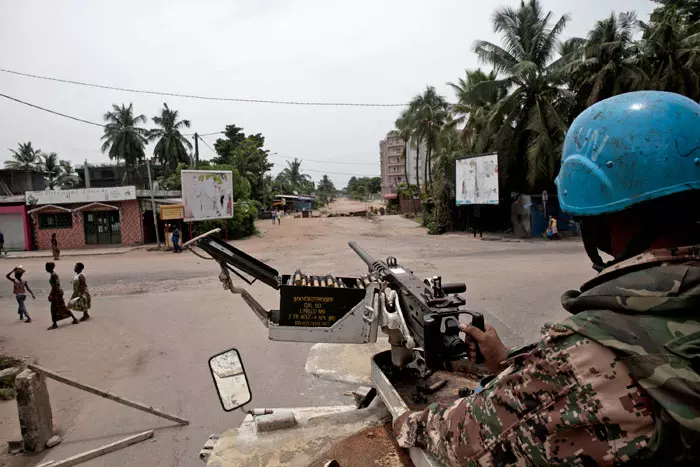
(605,64)
(171,148)
(292,175)
(68,177)
(529,119)
(476,95)
(429,112)
(123,138)
(404,126)
(25,157)
(672,54)
(51,168)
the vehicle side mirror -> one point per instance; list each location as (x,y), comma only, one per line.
(230,379)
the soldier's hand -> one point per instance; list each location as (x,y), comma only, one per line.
(493,350)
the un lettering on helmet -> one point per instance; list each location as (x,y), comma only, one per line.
(628,149)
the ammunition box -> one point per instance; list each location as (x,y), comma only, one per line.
(308,306)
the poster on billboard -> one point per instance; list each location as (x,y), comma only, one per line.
(207,194)
(477,180)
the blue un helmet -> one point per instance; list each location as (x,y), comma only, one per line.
(629,149)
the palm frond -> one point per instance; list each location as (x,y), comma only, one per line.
(500,59)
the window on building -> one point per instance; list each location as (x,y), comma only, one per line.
(57,220)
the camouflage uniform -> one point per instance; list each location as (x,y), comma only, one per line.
(613,383)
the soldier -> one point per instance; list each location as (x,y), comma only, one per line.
(618,381)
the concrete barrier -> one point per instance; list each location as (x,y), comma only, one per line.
(34,407)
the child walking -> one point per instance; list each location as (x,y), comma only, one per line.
(20,289)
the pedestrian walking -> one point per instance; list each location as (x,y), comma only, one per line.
(59,310)
(476,221)
(20,287)
(2,243)
(176,240)
(80,300)
(274,214)
(279,218)
(54,247)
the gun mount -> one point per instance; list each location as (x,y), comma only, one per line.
(421,317)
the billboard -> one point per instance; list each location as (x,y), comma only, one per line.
(207,194)
(477,180)
(80,195)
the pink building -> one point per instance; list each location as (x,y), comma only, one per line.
(85,217)
(393,169)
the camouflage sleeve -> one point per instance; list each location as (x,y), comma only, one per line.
(566,402)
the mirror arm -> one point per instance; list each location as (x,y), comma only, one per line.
(255,412)
(254,305)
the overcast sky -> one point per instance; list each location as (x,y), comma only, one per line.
(365,51)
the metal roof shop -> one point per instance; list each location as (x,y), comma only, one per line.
(294,202)
(85,217)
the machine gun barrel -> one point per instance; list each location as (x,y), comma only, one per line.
(373,265)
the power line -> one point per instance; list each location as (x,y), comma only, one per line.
(207,145)
(82,120)
(202,140)
(52,111)
(194,96)
(324,161)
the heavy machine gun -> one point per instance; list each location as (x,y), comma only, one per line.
(421,317)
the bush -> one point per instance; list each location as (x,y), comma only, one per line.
(241,225)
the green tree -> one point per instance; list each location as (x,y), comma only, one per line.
(248,155)
(233,136)
(530,119)
(404,127)
(68,177)
(477,93)
(51,168)
(671,51)
(429,113)
(251,161)
(605,64)
(443,189)
(25,157)
(172,147)
(293,176)
(325,192)
(123,139)
(688,11)
(361,187)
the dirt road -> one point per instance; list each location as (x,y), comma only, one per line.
(159,316)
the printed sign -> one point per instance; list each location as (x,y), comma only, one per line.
(81,195)
(207,194)
(477,180)
(172,212)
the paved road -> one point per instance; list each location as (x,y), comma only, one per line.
(158,317)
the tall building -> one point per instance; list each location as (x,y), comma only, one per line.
(393,169)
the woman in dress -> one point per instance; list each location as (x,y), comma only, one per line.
(59,310)
(81,300)
(54,247)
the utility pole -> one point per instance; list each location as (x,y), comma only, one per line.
(196,151)
(86,171)
(153,202)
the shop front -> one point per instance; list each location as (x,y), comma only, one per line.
(85,217)
(14,225)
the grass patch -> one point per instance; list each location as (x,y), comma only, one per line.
(7,362)
(7,394)
(7,383)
